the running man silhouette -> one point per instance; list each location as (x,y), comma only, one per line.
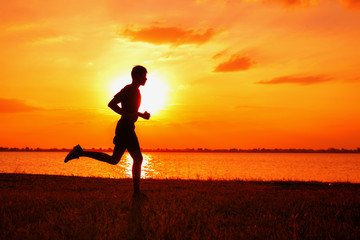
(125,137)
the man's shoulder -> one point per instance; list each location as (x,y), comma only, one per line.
(124,89)
(130,89)
(127,90)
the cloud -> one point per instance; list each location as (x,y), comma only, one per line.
(298,80)
(292,3)
(169,35)
(352,4)
(235,63)
(15,105)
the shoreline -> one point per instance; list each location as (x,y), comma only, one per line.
(195,150)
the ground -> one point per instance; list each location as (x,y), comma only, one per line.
(67,207)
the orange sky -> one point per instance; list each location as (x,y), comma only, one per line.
(243,74)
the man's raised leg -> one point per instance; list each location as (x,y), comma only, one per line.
(111,159)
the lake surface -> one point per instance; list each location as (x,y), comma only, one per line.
(324,167)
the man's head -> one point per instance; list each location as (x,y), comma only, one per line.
(138,75)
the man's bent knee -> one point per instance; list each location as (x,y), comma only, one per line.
(114,161)
(115,158)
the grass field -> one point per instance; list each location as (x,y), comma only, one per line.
(59,207)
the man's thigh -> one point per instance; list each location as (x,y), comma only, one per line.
(136,155)
(118,152)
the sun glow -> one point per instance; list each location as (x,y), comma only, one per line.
(153,95)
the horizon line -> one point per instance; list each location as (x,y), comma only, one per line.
(231,150)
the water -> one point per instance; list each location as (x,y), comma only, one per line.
(217,166)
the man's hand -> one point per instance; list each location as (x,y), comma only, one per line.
(144,115)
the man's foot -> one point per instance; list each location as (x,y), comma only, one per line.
(75,153)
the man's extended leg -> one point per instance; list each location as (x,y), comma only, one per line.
(136,169)
(111,159)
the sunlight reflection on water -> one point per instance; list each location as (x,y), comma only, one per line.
(222,166)
(148,169)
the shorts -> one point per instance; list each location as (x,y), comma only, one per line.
(125,138)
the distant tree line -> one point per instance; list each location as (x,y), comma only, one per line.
(231,150)
(257,150)
(27,149)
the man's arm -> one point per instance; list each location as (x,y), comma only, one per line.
(144,115)
(114,105)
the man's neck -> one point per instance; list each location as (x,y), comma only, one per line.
(135,84)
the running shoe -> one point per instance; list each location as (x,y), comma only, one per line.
(75,153)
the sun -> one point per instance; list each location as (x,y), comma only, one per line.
(153,94)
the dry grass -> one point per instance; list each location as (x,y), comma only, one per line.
(58,207)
